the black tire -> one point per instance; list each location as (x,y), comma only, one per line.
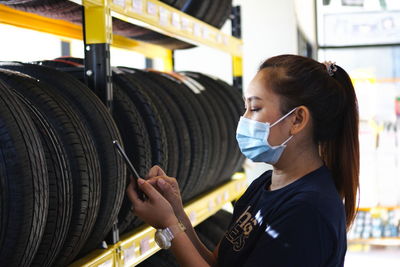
(137,146)
(221,112)
(58,9)
(179,124)
(60,187)
(212,231)
(211,11)
(199,129)
(82,156)
(196,8)
(213,142)
(134,135)
(24,183)
(150,115)
(229,112)
(147,86)
(221,219)
(225,14)
(102,131)
(205,240)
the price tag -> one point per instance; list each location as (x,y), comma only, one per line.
(192,216)
(108,263)
(119,2)
(226,195)
(205,33)
(225,40)
(152,8)
(187,25)
(130,255)
(211,205)
(238,186)
(164,16)
(197,30)
(176,20)
(219,38)
(144,245)
(219,199)
(137,6)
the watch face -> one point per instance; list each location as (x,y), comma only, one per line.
(162,240)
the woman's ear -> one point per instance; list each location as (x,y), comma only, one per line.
(300,119)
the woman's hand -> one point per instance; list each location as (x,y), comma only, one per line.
(168,187)
(155,210)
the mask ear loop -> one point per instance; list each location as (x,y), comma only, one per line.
(284,117)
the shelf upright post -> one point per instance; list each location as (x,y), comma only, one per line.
(97,30)
(97,39)
(237,63)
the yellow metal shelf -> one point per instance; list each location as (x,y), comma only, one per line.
(160,17)
(139,244)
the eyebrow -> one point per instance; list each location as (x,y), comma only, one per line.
(251,98)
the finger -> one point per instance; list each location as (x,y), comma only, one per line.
(131,192)
(166,188)
(160,171)
(152,172)
(148,189)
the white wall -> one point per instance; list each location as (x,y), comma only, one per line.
(306,19)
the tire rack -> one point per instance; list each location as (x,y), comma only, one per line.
(97,35)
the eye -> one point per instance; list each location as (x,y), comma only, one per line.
(255,109)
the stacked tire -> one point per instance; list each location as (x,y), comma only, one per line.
(62,181)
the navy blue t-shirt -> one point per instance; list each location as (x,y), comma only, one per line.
(301,224)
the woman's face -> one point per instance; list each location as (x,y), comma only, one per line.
(263,105)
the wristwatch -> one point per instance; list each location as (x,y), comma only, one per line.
(163,237)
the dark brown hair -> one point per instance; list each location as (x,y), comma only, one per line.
(333,105)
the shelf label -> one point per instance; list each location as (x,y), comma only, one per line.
(129,255)
(211,205)
(192,216)
(108,263)
(152,8)
(144,245)
(219,38)
(164,16)
(238,187)
(176,20)
(187,25)
(219,199)
(120,3)
(225,40)
(197,30)
(137,6)
(226,195)
(206,33)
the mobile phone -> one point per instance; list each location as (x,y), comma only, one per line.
(132,169)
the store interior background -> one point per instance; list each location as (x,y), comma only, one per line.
(364,40)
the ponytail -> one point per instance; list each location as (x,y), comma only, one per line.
(331,99)
(341,154)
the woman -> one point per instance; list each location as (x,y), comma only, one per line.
(301,117)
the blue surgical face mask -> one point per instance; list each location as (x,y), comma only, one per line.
(252,137)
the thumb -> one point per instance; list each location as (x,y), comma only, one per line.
(155,171)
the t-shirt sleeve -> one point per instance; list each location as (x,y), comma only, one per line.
(298,236)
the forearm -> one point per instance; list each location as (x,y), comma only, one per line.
(206,254)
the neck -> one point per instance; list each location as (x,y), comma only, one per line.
(293,168)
